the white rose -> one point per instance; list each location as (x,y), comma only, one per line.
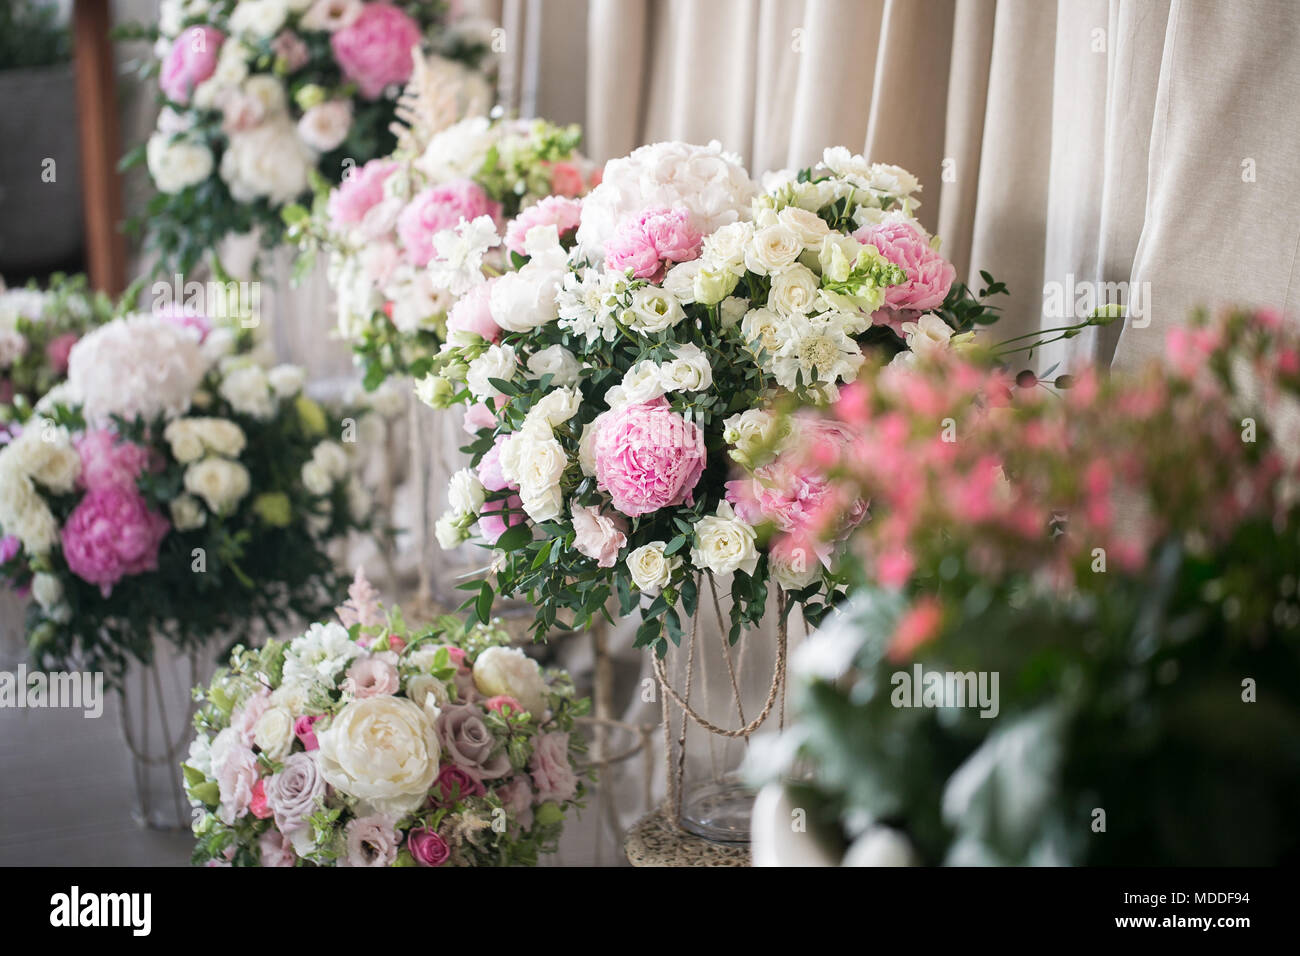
(249,392)
(359,500)
(650,568)
(425,689)
(287,380)
(261,18)
(772,248)
(559,363)
(23,511)
(465,493)
(316,479)
(653,310)
(542,502)
(796,569)
(325,126)
(536,465)
(183,437)
(748,431)
(794,290)
(731,310)
(382,750)
(680,281)
(220,483)
(332,459)
(553,409)
(641,383)
(587,447)
(44,452)
(723,543)
(450,530)
(689,371)
(509,671)
(497,362)
(765,327)
(724,250)
(176,164)
(187,513)
(805,224)
(48,591)
(273,733)
(268,162)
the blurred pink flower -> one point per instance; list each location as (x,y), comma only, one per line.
(191,60)
(374,49)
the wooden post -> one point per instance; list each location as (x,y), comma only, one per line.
(100,150)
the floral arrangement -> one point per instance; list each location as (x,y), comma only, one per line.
(258,96)
(1119,563)
(408,233)
(621,386)
(173,485)
(38,328)
(367,742)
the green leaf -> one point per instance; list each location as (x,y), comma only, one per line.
(483,605)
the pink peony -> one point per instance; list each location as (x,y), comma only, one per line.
(453,785)
(109,461)
(648,457)
(552,775)
(374,50)
(438,208)
(499,515)
(371,677)
(236,776)
(598,536)
(562,213)
(929,275)
(190,61)
(645,244)
(276,849)
(566,180)
(427,848)
(10,547)
(471,314)
(244,718)
(110,534)
(359,192)
(57,349)
(302,729)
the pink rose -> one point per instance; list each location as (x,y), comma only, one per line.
(294,792)
(110,534)
(566,180)
(453,785)
(501,702)
(427,847)
(359,192)
(499,515)
(469,744)
(290,50)
(276,849)
(374,50)
(648,457)
(57,349)
(489,469)
(564,214)
(110,461)
(258,806)
(371,677)
(236,776)
(302,729)
(598,536)
(929,275)
(190,61)
(471,314)
(371,841)
(647,243)
(552,775)
(517,797)
(438,208)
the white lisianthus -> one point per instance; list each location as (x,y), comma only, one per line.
(650,568)
(509,671)
(553,409)
(316,479)
(498,362)
(187,513)
(794,290)
(273,733)
(286,380)
(689,371)
(641,383)
(325,126)
(248,391)
(536,464)
(749,431)
(451,530)
(176,163)
(714,285)
(465,493)
(724,543)
(559,363)
(382,750)
(653,310)
(220,483)
(332,458)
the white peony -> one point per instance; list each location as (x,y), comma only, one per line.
(135,366)
(558,362)
(175,164)
(465,493)
(383,751)
(509,671)
(268,162)
(248,391)
(650,568)
(713,185)
(524,300)
(220,483)
(187,513)
(724,543)
(498,362)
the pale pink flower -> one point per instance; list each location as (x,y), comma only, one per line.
(929,275)
(558,211)
(371,677)
(598,536)
(647,457)
(551,771)
(359,191)
(191,60)
(440,208)
(472,314)
(374,49)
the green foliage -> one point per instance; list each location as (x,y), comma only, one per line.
(31,35)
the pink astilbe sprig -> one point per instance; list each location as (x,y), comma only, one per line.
(362,605)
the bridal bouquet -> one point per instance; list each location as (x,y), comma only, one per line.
(407,233)
(175,486)
(37,331)
(621,383)
(1077,640)
(367,742)
(260,95)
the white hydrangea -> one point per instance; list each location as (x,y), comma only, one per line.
(319,655)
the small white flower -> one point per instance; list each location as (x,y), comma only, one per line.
(465,493)
(558,362)
(248,391)
(498,362)
(650,568)
(187,513)
(458,265)
(220,483)
(724,543)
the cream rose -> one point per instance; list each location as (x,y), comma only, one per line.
(724,543)
(509,671)
(497,362)
(650,568)
(248,392)
(653,310)
(316,479)
(553,409)
(176,164)
(187,513)
(805,224)
(772,249)
(383,751)
(465,493)
(273,733)
(794,290)
(689,371)
(220,483)
(332,459)
(641,383)
(286,380)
